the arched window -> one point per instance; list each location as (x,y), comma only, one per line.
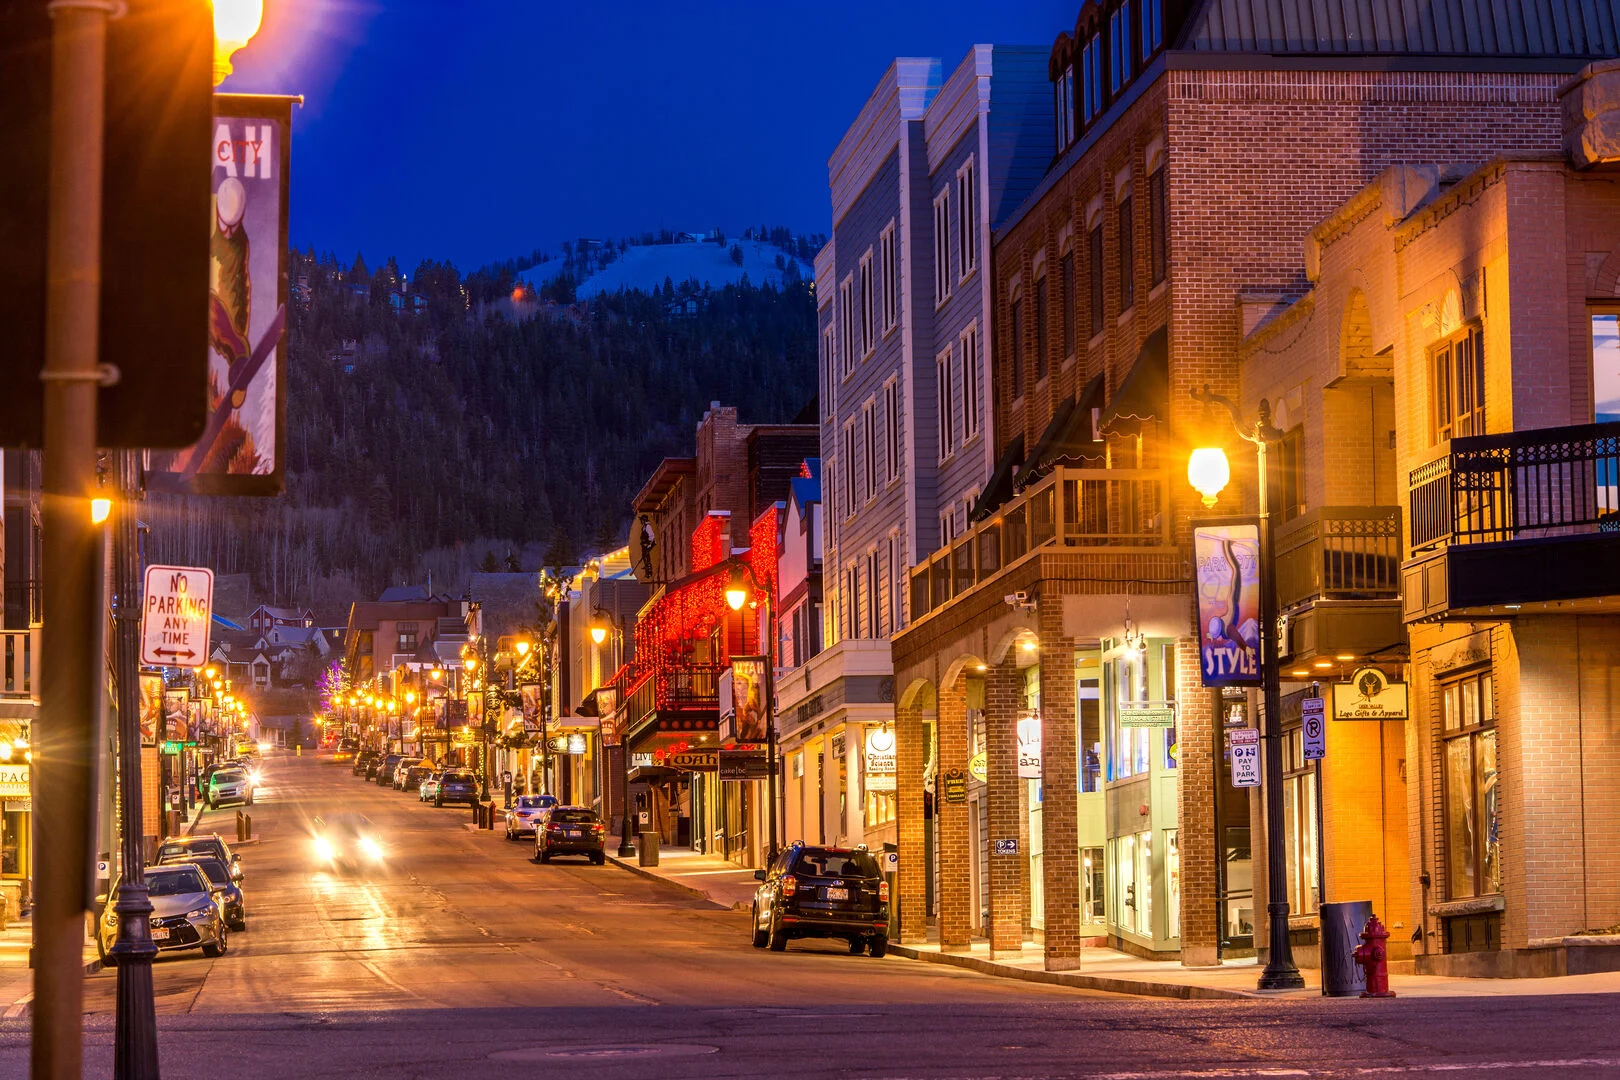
(1061,71)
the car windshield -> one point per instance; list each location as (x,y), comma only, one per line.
(186,848)
(215,870)
(534,802)
(174,882)
(570,814)
(458,777)
(821,863)
(230,776)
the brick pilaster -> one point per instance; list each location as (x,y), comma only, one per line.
(910,752)
(1060,790)
(1198,766)
(951,819)
(1009,888)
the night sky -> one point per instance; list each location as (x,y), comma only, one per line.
(477,130)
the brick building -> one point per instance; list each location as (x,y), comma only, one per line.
(1195,147)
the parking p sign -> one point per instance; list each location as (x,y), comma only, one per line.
(1312,729)
(1245,745)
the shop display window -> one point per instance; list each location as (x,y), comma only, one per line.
(1172,873)
(1473,820)
(1299,822)
(1092,884)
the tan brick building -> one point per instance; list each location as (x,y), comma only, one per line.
(1050,644)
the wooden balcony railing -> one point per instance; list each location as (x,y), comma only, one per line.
(1339,553)
(1071,508)
(1519,485)
(19,663)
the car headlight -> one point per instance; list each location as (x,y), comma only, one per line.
(201,913)
(372,849)
(324,849)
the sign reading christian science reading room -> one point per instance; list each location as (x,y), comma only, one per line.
(880,764)
(1226,559)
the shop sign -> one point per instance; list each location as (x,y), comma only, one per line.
(1313,731)
(1006,847)
(641,761)
(747,700)
(1147,715)
(743,765)
(14,781)
(1369,695)
(1226,561)
(694,760)
(1029,746)
(955,786)
(979,766)
(1473,649)
(175,616)
(1244,744)
(880,751)
(607,707)
(576,743)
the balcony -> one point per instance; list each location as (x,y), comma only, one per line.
(22,605)
(19,664)
(1110,510)
(684,698)
(1338,581)
(1526,517)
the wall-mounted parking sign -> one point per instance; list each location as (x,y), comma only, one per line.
(1245,746)
(179,602)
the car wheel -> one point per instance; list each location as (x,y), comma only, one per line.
(545,856)
(856,946)
(880,946)
(759,935)
(776,939)
(438,801)
(217,948)
(106,957)
(240,926)
(599,857)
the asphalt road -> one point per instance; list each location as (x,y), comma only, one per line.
(461,958)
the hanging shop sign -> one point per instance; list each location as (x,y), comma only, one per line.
(1147,714)
(576,743)
(954,784)
(1313,729)
(1029,746)
(1244,747)
(1226,560)
(14,781)
(979,766)
(747,700)
(879,754)
(743,765)
(176,714)
(641,761)
(1369,695)
(179,601)
(694,760)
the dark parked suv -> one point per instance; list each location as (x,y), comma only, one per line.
(364,763)
(385,771)
(570,830)
(826,892)
(457,785)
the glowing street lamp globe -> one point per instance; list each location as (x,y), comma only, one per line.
(235,23)
(1208,472)
(736,590)
(598,632)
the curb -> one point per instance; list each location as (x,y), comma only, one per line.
(650,876)
(23,1007)
(1109,983)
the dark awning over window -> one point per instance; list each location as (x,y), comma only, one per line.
(1071,444)
(1000,487)
(1145,393)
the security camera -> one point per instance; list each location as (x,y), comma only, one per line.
(1017,599)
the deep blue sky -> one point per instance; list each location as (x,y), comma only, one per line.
(475,130)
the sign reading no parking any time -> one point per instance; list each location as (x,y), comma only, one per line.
(175,616)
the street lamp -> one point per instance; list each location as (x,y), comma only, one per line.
(737,591)
(602,621)
(1208,472)
(235,23)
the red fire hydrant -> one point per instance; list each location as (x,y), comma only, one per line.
(1373,956)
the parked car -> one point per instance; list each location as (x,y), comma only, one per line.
(827,892)
(346,750)
(411,779)
(456,785)
(202,844)
(224,886)
(373,767)
(385,771)
(402,771)
(526,812)
(185,913)
(230,786)
(363,762)
(428,789)
(346,840)
(571,830)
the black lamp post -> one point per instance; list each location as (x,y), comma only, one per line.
(736,595)
(1281,972)
(604,623)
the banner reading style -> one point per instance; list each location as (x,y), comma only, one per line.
(240,452)
(748,698)
(1226,560)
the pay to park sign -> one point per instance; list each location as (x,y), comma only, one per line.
(174,618)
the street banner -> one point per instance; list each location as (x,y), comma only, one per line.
(880,760)
(607,710)
(1029,745)
(194,719)
(240,451)
(1226,561)
(453,713)
(151,707)
(747,700)
(176,714)
(531,705)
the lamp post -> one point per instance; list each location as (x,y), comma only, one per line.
(736,595)
(471,665)
(601,622)
(1208,473)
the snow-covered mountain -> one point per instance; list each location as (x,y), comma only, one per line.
(646,266)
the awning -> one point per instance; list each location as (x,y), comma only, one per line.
(1000,487)
(1061,412)
(1072,444)
(1145,393)
(226,623)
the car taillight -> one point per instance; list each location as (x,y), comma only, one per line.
(883,891)
(598,828)
(790,884)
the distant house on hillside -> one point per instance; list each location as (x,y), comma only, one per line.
(266,617)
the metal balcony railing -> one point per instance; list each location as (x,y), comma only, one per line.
(19,663)
(1339,553)
(1069,508)
(685,687)
(22,605)
(1521,485)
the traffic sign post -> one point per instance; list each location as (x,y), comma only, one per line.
(1245,747)
(1313,710)
(175,616)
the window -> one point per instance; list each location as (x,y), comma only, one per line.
(942,247)
(1091,79)
(1457,384)
(846,322)
(1127,256)
(947,527)
(869,438)
(942,380)
(967,209)
(891,279)
(868,307)
(871,594)
(829,361)
(1473,820)
(897,582)
(848,454)
(407,632)
(1289,494)
(891,404)
(1158,231)
(1041,343)
(1017,336)
(1063,107)
(1094,242)
(1119,47)
(1299,822)
(970,382)
(1605,366)
(1066,284)
(1152,28)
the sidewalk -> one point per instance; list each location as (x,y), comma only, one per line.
(708,877)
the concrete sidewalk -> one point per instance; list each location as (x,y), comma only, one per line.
(708,877)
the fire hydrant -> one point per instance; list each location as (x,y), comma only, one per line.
(1373,956)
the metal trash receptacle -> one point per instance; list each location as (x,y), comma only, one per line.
(1340,934)
(647,849)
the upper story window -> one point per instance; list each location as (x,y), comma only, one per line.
(945,390)
(868,307)
(1094,244)
(1066,284)
(892,426)
(891,278)
(942,247)
(1127,253)
(869,440)
(1016,318)
(1120,58)
(1042,344)
(846,325)
(1151,36)
(967,216)
(969,347)
(847,449)
(1606,365)
(1091,85)
(1158,228)
(1457,384)
(1063,107)
(829,361)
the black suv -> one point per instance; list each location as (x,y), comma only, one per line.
(457,785)
(385,772)
(364,761)
(826,892)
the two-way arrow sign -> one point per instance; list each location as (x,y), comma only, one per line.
(175,613)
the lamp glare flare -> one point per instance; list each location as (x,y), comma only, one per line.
(1208,472)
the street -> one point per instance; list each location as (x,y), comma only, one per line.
(464,959)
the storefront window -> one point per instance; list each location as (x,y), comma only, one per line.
(1144,675)
(1172,872)
(1125,879)
(1092,878)
(1144,883)
(1473,812)
(1239,877)
(1299,822)
(1167,673)
(1090,742)
(13,843)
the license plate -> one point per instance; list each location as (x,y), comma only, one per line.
(837,894)
(573,832)
(160,933)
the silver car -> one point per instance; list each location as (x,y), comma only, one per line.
(526,813)
(229,786)
(186,914)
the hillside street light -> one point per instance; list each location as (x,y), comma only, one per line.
(1208,472)
(737,591)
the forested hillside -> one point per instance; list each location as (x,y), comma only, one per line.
(434,420)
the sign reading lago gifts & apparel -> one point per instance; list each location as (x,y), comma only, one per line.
(1369,695)
(1226,561)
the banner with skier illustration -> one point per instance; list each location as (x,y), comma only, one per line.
(240,452)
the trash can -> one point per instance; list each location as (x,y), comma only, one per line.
(647,850)
(1340,934)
